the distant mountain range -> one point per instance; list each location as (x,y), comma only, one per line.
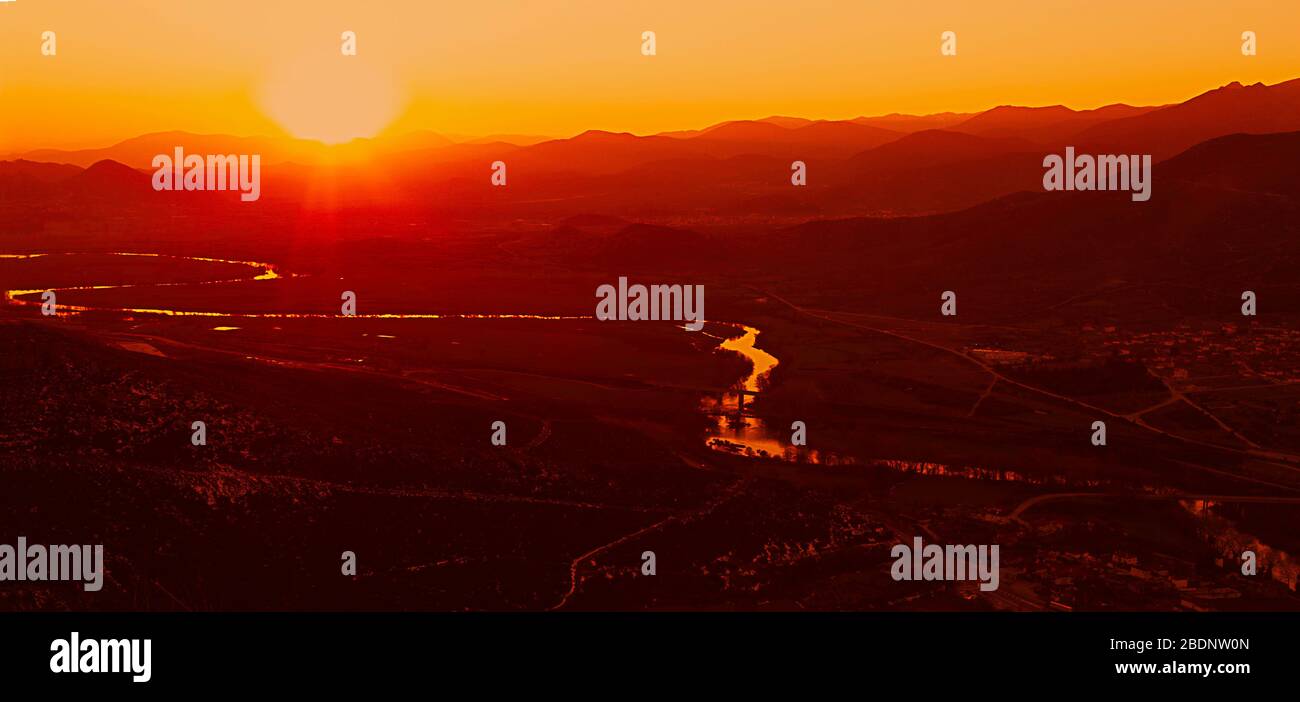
(1227,219)
(887,165)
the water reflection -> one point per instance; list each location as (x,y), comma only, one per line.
(751,437)
(261,271)
(737,432)
(762,361)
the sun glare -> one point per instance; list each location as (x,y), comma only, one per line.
(333,99)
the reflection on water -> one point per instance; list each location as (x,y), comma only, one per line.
(741,434)
(762,361)
(738,433)
(751,436)
(263,271)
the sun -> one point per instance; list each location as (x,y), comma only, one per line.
(332,99)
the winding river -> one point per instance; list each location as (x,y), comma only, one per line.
(751,431)
(733,431)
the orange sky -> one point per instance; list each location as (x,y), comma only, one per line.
(125,67)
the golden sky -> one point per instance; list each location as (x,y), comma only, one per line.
(126,67)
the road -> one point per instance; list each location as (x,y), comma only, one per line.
(1289,461)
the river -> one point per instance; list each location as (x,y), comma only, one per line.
(733,431)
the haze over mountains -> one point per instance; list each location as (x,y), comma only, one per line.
(1073,305)
(887,210)
(880,166)
(1227,212)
